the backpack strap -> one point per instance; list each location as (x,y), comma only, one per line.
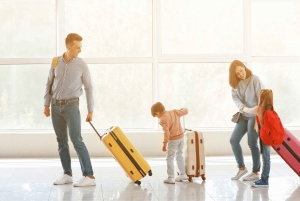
(258,122)
(54,62)
(259,127)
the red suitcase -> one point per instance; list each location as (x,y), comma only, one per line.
(289,151)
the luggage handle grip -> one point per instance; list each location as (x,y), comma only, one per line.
(96,130)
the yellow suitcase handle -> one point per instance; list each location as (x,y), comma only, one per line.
(96,131)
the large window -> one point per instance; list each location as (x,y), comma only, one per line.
(202,88)
(143,51)
(111,28)
(202,27)
(27,29)
(21,99)
(283,79)
(122,95)
(275,28)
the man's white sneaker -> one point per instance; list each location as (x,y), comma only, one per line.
(182,177)
(85,181)
(239,174)
(63,179)
(251,177)
(169,180)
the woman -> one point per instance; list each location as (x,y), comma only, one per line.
(245,93)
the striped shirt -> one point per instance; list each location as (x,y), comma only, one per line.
(68,81)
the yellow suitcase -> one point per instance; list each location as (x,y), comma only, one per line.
(130,159)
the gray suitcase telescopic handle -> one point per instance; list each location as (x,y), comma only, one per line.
(183,124)
(96,130)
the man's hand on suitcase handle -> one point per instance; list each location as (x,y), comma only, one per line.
(89,117)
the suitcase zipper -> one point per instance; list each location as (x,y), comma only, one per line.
(137,166)
(291,151)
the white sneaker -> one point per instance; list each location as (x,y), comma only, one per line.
(63,179)
(251,177)
(169,180)
(239,174)
(182,177)
(85,181)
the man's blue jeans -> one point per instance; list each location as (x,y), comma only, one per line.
(66,119)
(243,126)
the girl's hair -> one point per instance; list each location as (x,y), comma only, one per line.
(157,107)
(266,99)
(233,79)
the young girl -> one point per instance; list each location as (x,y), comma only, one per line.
(266,103)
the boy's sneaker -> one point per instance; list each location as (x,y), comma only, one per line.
(85,181)
(169,180)
(182,177)
(239,174)
(251,177)
(63,179)
(260,183)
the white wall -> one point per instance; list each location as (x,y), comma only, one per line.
(148,143)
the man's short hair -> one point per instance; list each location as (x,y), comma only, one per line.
(157,107)
(71,37)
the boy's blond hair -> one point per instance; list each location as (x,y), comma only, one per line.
(157,107)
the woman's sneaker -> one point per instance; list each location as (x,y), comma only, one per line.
(251,177)
(260,183)
(239,174)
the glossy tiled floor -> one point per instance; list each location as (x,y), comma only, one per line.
(31,179)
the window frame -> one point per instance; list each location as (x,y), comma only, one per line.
(157,56)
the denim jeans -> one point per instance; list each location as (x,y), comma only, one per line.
(266,162)
(175,148)
(243,126)
(66,119)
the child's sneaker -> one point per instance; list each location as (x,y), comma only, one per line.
(239,174)
(260,183)
(169,180)
(182,177)
(251,177)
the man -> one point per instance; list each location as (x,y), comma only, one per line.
(63,89)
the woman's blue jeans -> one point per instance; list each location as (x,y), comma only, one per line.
(66,119)
(243,126)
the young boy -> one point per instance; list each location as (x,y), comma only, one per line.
(173,136)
